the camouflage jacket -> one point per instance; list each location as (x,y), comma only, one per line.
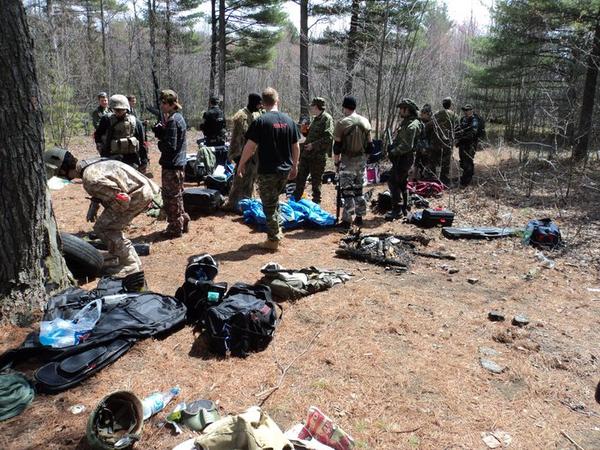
(320,135)
(105,179)
(444,123)
(406,137)
(425,137)
(241,120)
(97,115)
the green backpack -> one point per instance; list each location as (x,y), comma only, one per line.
(354,141)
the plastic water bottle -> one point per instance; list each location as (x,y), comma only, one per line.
(86,319)
(157,401)
(59,333)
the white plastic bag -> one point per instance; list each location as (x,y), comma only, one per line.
(59,333)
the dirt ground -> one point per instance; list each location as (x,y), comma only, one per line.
(394,359)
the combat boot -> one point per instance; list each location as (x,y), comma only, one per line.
(394,214)
(358,221)
(270,245)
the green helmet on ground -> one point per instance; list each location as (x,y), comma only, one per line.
(116,423)
(118,101)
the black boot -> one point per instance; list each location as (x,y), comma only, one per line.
(358,221)
(394,214)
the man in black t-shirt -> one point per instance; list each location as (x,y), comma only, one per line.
(276,136)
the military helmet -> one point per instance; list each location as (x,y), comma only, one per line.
(119,101)
(53,160)
(318,102)
(202,267)
(116,423)
(467,107)
(408,103)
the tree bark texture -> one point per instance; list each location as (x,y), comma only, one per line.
(153,66)
(214,38)
(222,51)
(304,58)
(589,94)
(352,47)
(30,260)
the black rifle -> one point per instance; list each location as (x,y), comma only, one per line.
(338,200)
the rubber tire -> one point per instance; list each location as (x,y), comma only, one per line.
(82,259)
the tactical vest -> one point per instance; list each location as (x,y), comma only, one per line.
(122,135)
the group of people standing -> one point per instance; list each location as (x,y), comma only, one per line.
(268,149)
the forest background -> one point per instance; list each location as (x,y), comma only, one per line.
(530,68)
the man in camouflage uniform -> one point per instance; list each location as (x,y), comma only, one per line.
(314,151)
(425,162)
(402,155)
(243,187)
(101,111)
(352,140)
(121,136)
(275,135)
(444,122)
(466,137)
(170,131)
(119,188)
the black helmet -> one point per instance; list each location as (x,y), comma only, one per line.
(116,423)
(202,267)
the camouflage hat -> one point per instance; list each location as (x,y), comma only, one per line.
(319,102)
(408,103)
(447,99)
(119,101)
(102,94)
(169,96)
(467,107)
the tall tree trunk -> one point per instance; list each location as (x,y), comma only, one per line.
(29,250)
(168,42)
(103,29)
(352,46)
(222,51)
(303,58)
(153,68)
(213,46)
(589,94)
(380,68)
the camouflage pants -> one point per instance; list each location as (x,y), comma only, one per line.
(270,187)
(466,152)
(442,155)
(112,222)
(313,164)
(172,194)
(243,187)
(397,183)
(352,178)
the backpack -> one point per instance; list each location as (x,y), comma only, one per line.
(481,134)
(199,290)
(542,233)
(245,321)
(354,140)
